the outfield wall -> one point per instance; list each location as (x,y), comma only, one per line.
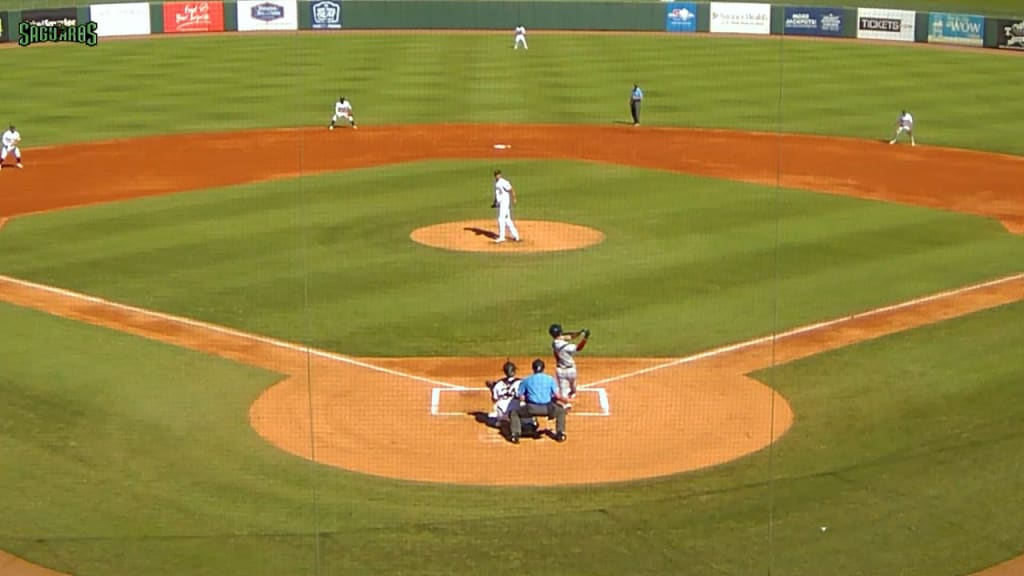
(177,17)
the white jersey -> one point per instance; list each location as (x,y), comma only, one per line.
(505,389)
(565,353)
(520,31)
(11,138)
(343,108)
(906,120)
(502,196)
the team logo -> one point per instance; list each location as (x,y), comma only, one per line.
(267,12)
(66,30)
(681,15)
(326,14)
(1014,35)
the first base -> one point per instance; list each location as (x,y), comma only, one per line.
(502,146)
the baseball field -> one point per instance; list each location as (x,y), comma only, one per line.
(234,342)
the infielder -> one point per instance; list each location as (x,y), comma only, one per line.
(905,123)
(565,358)
(504,197)
(342,110)
(505,394)
(520,38)
(10,140)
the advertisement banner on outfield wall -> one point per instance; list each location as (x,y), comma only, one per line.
(885,24)
(267,15)
(4,28)
(184,17)
(130,19)
(810,21)
(963,29)
(67,17)
(1011,34)
(325,15)
(681,17)
(741,18)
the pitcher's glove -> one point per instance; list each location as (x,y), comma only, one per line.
(494,204)
(586,333)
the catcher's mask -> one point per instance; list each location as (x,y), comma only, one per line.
(555,330)
(509,369)
(538,366)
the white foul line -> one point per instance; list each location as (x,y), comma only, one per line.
(223,330)
(804,329)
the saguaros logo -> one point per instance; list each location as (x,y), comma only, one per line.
(267,12)
(29,33)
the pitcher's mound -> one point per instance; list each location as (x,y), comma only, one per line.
(480,236)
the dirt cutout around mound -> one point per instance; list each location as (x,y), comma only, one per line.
(418,418)
(482,236)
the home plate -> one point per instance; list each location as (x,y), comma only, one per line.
(502,146)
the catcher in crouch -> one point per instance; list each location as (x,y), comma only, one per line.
(505,394)
(565,358)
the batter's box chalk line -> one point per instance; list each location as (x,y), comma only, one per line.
(486,403)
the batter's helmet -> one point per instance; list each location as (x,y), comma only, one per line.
(538,366)
(509,369)
(555,330)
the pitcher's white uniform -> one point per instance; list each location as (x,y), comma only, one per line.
(505,394)
(521,38)
(503,199)
(565,365)
(342,111)
(10,141)
(905,123)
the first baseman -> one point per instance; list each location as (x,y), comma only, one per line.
(504,197)
(905,123)
(10,140)
(342,111)
(565,358)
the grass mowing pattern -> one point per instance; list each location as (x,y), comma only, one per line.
(688,263)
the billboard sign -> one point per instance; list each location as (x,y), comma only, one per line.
(811,21)
(326,15)
(184,17)
(681,17)
(885,24)
(130,19)
(963,29)
(267,15)
(741,17)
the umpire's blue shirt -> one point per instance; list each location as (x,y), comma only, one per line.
(538,388)
(638,94)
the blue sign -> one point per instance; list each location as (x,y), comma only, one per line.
(808,21)
(961,29)
(326,15)
(681,17)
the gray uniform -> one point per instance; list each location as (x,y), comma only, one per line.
(565,366)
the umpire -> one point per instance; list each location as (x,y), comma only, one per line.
(538,396)
(635,99)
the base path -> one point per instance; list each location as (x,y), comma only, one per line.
(637,418)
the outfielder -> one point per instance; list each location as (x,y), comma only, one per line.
(520,38)
(565,358)
(342,110)
(10,140)
(905,123)
(504,197)
(505,394)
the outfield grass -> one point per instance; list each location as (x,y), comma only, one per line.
(906,464)
(688,264)
(767,84)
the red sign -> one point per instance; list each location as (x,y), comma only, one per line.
(193,17)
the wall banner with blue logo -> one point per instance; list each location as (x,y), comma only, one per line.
(963,29)
(813,21)
(681,17)
(256,15)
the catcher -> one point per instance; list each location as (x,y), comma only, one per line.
(565,358)
(10,140)
(505,394)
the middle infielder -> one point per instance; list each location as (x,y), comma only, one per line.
(565,358)
(520,38)
(905,123)
(342,111)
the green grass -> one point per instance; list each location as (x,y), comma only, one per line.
(825,88)
(908,446)
(688,264)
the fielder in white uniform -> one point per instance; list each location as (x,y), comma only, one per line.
(504,197)
(342,111)
(505,394)
(905,123)
(10,141)
(520,38)
(565,358)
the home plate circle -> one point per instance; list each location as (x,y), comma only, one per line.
(502,146)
